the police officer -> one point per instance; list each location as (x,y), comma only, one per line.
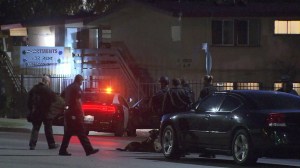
(74,119)
(208,87)
(164,84)
(188,89)
(287,85)
(158,100)
(177,98)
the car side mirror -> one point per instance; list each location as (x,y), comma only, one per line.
(199,109)
(129,100)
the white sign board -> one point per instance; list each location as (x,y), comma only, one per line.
(39,57)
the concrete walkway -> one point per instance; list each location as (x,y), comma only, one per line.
(15,125)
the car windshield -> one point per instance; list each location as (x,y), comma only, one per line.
(274,101)
(97,97)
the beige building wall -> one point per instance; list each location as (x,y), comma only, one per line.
(147,34)
(41,36)
(172,46)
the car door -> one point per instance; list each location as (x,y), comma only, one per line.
(125,108)
(222,121)
(199,123)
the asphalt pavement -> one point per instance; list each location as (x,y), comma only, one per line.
(14,152)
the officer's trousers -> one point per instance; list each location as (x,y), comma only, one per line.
(75,128)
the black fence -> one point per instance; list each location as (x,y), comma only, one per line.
(59,82)
(16,104)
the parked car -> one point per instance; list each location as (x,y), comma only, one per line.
(104,112)
(246,124)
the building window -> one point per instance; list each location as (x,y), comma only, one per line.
(71,38)
(236,32)
(248,86)
(296,86)
(222,32)
(93,38)
(286,27)
(224,86)
(105,36)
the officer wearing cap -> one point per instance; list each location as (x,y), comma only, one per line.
(208,87)
(164,83)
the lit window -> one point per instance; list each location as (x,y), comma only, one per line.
(296,86)
(286,27)
(248,86)
(277,86)
(224,86)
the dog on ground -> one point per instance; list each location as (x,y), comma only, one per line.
(151,144)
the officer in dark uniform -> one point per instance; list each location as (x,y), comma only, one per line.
(74,118)
(188,89)
(208,87)
(177,98)
(158,98)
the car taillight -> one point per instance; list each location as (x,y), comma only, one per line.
(276,120)
(107,108)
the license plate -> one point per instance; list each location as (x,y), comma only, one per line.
(88,119)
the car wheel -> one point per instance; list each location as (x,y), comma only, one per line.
(242,150)
(169,143)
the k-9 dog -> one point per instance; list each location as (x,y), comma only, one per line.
(148,145)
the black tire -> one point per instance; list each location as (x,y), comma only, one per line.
(169,143)
(242,149)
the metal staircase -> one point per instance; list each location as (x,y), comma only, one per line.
(6,68)
(107,62)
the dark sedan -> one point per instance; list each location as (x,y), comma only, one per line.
(246,124)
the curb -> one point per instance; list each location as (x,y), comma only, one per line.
(24,130)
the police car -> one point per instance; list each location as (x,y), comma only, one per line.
(104,112)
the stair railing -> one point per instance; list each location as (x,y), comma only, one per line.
(7,65)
